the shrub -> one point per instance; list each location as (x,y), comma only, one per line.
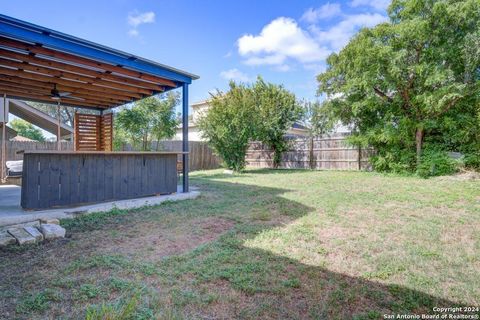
(229,124)
(472,160)
(436,163)
(393,161)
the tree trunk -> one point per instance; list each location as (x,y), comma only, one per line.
(275,157)
(419,134)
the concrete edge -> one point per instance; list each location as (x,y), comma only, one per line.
(69,213)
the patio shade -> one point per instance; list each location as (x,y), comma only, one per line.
(40,64)
(35,62)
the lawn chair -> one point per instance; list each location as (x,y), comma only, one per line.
(14,172)
(14,168)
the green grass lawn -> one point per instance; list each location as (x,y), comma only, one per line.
(264,244)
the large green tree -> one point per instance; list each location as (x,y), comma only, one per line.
(26,129)
(276,111)
(411,82)
(149,119)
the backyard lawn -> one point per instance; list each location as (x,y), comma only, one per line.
(265,244)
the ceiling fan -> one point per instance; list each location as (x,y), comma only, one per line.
(57,95)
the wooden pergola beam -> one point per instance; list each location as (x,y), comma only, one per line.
(103,93)
(46,91)
(29,93)
(35,59)
(70,83)
(72,76)
(85,61)
(48,100)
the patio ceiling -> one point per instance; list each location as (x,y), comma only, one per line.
(35,60)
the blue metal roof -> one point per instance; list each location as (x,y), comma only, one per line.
(24,31)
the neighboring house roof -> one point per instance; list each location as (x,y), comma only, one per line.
(199,103)
(11,133)
(297,125)
(20,138)
(38,118)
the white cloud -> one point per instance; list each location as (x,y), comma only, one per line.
(376,4)
(235,74)
(328,10)
(278,41)
(282,42)
(337,36)
(133,32)
(273,59)
(135,19)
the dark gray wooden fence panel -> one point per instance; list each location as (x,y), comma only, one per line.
(51,180)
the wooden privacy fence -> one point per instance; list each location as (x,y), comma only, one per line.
(201,156)
(14,146)
(326,152)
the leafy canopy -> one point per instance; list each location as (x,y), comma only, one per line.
(262,111)
(229,124)
(276,111)
(150,119)
(411,83)
(27,130)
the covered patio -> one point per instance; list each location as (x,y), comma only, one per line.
(43,65)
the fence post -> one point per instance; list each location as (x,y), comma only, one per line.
(312,164)
(359,158)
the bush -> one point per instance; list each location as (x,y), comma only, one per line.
(436,163)
(229,124)
(472,160)
(395,161)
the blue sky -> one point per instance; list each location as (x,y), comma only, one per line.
(284,41)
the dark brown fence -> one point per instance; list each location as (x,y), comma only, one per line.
(14,146)
(327,153)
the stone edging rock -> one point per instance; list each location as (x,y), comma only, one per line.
(31,232)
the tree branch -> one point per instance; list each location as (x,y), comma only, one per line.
(382,94)
(448,106)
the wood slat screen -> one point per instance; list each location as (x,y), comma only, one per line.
(107,132)
(93,132)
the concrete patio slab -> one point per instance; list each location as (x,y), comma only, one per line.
(11,213)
